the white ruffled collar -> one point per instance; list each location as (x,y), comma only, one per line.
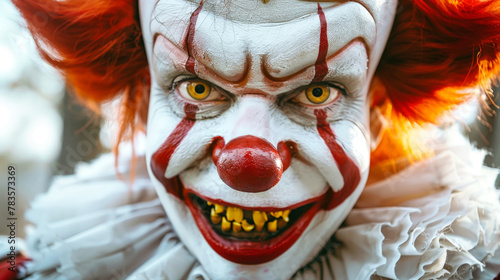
(437,219)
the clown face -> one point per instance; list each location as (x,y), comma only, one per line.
(258,142)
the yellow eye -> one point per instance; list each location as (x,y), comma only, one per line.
(198,90)
(317,94)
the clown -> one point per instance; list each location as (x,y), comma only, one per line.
(264,121)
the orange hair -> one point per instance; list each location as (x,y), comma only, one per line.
(436,50)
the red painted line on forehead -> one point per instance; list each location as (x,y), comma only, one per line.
(161,158)
(190,39)
(320,67)
(349,170)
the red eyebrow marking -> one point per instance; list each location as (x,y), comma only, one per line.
(190,39)
(161,158)
(349,170)
(320,67)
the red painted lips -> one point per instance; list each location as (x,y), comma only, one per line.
(253,252)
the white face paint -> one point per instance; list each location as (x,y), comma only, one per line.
(286,78)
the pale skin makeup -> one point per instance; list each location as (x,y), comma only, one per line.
(257,136)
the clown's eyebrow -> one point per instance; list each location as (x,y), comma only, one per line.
(165,48)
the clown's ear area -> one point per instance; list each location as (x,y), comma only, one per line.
(395,141)
(379,122)
(440,54)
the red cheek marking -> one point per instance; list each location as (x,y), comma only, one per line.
(248,164)
(349,170)
(161,158)
(190,39)
(320,67)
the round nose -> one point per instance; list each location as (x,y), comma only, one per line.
(248,163)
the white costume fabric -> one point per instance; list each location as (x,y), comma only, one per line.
(437,219)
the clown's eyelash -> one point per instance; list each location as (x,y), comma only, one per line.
(299,113)
(340,87)
(206,110)
(288,96)
(184,78)
(304,114)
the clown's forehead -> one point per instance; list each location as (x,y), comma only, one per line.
(274,11)
(238,39)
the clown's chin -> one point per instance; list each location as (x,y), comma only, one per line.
(250,235)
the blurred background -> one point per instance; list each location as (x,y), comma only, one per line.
(45,133)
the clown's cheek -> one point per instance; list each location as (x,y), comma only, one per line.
(161,158)
(349,170)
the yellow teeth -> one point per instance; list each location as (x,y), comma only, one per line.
(272,226)
(226,226)
(234,214)
(259,217)
(246,226)
(232,218)
(276,214)
(214,217)
(259,227)
(219,208)
(285,215)
(236,227)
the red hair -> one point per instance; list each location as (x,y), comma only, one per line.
(437,49)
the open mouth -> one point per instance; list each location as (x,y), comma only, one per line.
(249,236)
(250,225)
(256,235)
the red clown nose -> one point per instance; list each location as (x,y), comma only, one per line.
(249,163)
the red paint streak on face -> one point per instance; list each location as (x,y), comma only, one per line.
(161,158)
(190,39)
(320,68)
(248,164)
(349,170)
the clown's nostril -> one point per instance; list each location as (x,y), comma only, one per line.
(286,151)
(217,146)
(248,163)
